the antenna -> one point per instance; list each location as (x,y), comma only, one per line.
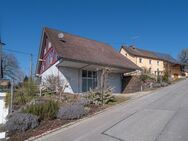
(134,38)
(60,35)
(1,58)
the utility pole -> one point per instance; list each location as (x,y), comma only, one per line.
(1,59)
(11,92)
(31,66)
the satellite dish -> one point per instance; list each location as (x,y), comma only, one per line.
(60,35)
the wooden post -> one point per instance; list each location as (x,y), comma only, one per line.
(11,100)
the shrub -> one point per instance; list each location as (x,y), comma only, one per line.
(72,111)
(21,122)
(96,97)
(43,110)
(23,93)
(145,77)
(2,128)
(165,77)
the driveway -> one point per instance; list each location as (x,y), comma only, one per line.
(159,116)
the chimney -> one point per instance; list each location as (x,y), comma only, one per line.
(132,46)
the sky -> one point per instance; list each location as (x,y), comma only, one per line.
(158,25)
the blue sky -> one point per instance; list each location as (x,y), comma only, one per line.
(159,25)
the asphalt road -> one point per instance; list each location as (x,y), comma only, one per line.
(159,116)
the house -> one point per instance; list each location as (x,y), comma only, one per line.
(80,61)
(185,69)
(4,83)
(152,62)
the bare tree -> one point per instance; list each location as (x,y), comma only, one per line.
(183,56)
(11,68)
(55,84)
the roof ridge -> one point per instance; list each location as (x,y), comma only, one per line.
(153,54)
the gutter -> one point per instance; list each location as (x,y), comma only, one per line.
(92,63)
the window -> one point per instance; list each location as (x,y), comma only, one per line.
(149,61)
(149,70)
(49,45)
(89,80)
(140,60)
(51,57)
(158,63)
(44,50)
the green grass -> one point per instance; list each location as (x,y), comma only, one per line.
(118,99)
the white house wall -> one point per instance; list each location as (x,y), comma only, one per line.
(3,108)
(72,77)
(69,75)
(114,81)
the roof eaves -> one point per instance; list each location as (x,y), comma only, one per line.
(101,64)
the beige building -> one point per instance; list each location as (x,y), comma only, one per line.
(152,62)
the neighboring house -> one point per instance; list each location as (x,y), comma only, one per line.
(153,62)
(79,61)
(185,70)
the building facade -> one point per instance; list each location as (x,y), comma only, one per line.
(154,63)
(80,62)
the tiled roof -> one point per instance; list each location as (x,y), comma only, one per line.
(77,48)
(150,54)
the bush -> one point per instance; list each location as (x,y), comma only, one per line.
(21,122)
(165,77)
(156,85)
(72,111)
(23,93)
(96,97)
(2,128)
(43,110)
(145,77)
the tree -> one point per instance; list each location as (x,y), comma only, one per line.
(11,68)
(55,84)
(183,56)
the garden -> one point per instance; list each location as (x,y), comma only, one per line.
(36,113)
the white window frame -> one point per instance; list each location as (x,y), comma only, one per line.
(92,78)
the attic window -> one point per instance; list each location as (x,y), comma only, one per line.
(49,45)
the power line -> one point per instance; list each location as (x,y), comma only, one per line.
(19,52)
(25,53)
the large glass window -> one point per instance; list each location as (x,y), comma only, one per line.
(89,80)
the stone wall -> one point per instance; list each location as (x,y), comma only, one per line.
(131,84)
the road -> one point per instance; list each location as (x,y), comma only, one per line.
(159,116)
